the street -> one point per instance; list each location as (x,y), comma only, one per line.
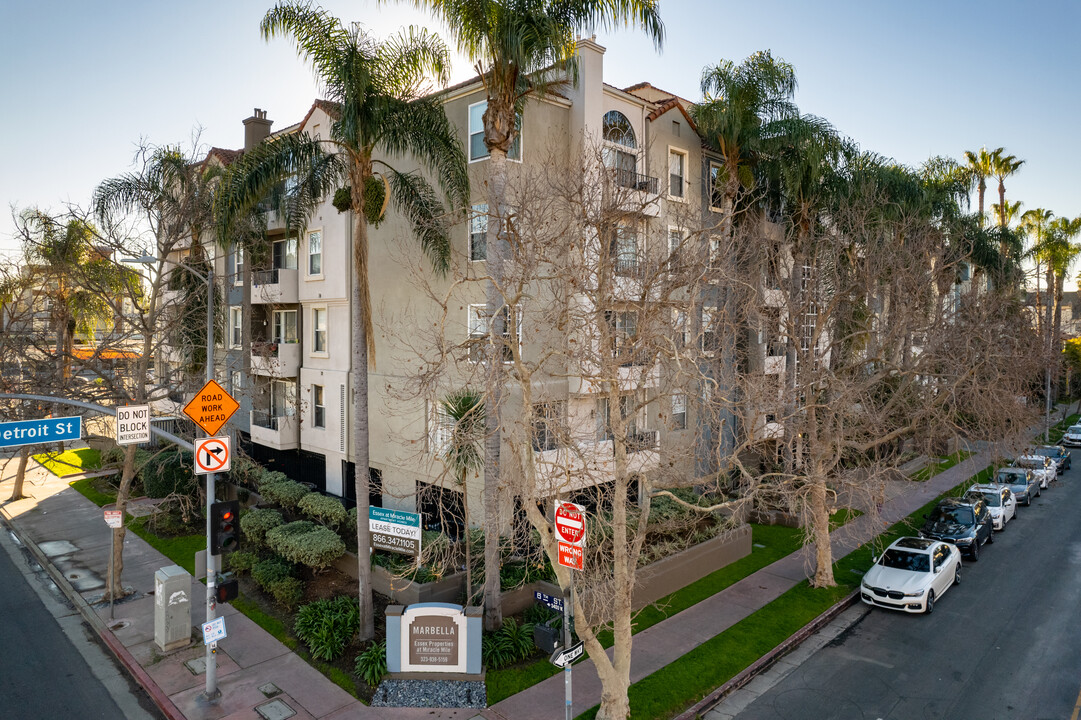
(53,665)
(1006,643)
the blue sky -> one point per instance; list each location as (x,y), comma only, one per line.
(84,82)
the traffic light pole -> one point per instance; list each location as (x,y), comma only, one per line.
(212,691)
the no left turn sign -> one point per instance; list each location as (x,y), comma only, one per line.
(211,455)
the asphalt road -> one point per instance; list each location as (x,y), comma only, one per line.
(1006,643)
(52,664)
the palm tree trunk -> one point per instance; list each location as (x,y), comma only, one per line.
(361,460)
(494,302)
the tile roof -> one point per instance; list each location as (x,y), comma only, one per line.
(226,157)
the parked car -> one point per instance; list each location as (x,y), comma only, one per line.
(1043,468)
(1057,453)
(1021,482)
(965,523)
(1072,438)
(911,575)
(1000,503)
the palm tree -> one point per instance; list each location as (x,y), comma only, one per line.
(519,48)
(1034,224)
(377,108)
(980,166)
(1011,213)
(740,104)
(1063,255)
(1002,167)
(464,454)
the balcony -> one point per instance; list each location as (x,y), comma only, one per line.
(643,198)
(279,286)
(642,440)
(277,359)
(281,433)
(634,181)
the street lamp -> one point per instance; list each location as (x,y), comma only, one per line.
(211,564)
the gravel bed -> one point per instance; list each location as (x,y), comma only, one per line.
(431,693)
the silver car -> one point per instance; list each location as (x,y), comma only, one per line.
(1021,482)
(1072,438)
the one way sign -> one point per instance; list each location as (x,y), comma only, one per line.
(211,455)
(564,657)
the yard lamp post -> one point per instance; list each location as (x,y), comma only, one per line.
(211,562)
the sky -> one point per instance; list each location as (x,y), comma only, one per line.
(84,83)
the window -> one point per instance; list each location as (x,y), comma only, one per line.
(679,412)
(238,266)
(624,329)
(677,239)
(319,407)
(283,398)
(442,430)
(478,232)
(709,329)
(548,432)
(285,254)
(716,186)
(680,323)
(319,330)
(478,332)
(623,249)
(621,148)
(236,326)
(604,418)
(477,149)
(315,253)
(285,326)
(238,381)
(677,164)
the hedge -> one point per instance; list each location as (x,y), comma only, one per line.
(326,510)
(306,543)
(256,523)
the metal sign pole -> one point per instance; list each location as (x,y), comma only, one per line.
(112,590)
(568,713)
(211,564)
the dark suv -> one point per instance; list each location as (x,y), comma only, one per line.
(965,523)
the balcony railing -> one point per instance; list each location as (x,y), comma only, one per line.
(265,277)
(276,286)
(775,349)
(269,357)
(264,419)
(634,181)
(642,440)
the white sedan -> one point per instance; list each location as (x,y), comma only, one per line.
(1072,438)
(911,575)
(1044,468)
(1000,502)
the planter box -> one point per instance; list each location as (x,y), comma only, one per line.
(403,591)
(680,570)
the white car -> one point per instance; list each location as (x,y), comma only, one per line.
(1000,502)
(1044,468)
(1072,437)
(911,575)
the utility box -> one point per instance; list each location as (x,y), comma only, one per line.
(172,608)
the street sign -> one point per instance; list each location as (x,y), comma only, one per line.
(554,603)
(114,518)
(564,657)
(214,631)
(44,430)
(570,524)
(212,455)
(132,424)
(394,530)
(211,407)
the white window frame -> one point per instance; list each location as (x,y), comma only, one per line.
(319,402)
(236,326)
(237,381)
(475,317)
(679,411)
(719,168)
(316,330)
(680,236)
(478,225)
(238,266)
(440,429)
(472,130)
(318,233)
(682,196)
(278,324)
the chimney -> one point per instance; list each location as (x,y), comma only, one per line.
(256,129)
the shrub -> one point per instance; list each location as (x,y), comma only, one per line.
(242,561)
(509,644)
(168,473)
(286,493)
(256,523)
(265,572)
(306,543)
(244,472)
(324,509)
(328,626)
(270,477)
(288,592)
(371,665)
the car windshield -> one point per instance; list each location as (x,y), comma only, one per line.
(958,515)
(1046,452)
(904,560)
(1007,478)
(1030,462)
(993,498)
(1074,430)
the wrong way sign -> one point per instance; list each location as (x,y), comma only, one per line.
(570,524)
(211,455)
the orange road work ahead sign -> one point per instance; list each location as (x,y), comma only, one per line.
(211,407)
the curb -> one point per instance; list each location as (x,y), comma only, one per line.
(156,694)
(768,660)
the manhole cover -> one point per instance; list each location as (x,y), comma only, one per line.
(270,690)
(196,665)
(275,710)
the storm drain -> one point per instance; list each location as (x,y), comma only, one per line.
(270,690)
(196,665)
(275,710)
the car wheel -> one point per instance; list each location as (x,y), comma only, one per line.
(1039,491)
(930,606)
(957,575)
(1028,500)
(974,551)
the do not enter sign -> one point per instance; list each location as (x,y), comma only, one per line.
(570,522)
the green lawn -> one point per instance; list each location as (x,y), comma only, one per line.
(1057,431)
(181,549)
(935,467)
(71,462)
(91,493)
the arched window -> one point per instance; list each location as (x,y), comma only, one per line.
(620,151)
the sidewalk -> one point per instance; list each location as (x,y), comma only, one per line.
(257,673)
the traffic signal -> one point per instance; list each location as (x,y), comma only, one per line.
(224,527)
(227,588)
